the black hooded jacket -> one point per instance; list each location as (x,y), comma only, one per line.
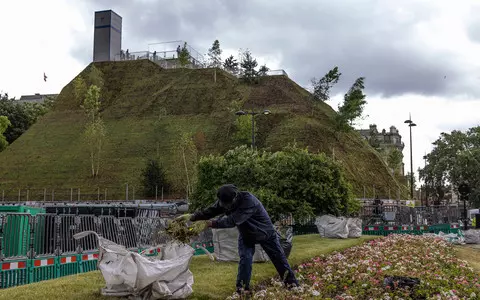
(248,214)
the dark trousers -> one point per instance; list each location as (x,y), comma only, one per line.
(274,251)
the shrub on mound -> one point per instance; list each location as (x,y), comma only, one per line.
(289,181)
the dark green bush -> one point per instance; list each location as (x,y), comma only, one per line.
(290,181)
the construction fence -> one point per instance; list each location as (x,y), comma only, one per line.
(114,193)
(404,215)
(36,247)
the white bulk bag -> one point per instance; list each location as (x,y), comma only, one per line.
(332,227)
(354,227)
(472,236)
(225,246)
(130,274)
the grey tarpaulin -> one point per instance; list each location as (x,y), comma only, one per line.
(332,227)
(225,246)
(129,274)
(285,236)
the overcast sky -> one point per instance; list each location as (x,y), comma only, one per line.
(418,56)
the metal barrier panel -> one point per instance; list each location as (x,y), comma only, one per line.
(15,235)
(149,231)
(89,262)
(127,233)
(207,245)
(108,228)
(44,269)
(67,230)
(45,235)
(69,265)
(87,223)
(13,273)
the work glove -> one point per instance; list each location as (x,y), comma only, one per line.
(185,217)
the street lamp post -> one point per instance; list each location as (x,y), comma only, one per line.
(252,113)
(411,124)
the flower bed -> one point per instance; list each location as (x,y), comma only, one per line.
(359,272)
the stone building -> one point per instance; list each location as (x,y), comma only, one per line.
(37,98)
(384,141)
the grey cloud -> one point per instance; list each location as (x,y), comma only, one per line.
(370,38)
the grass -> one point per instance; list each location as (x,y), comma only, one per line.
(146,109)
(213,280)
(471,255)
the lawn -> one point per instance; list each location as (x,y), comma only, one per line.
(471,255)
(213,280)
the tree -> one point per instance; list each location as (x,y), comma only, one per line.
(231,65)
(454,159)
(243,133)
(186,159)
(79,89)
(394,160)
(263,70)
(352,107)
(95,77)
(95,131)
(184,56)
(248,65)
(91,102)
(215,58)
(94,137)
(373,139)
(289,181)
(20,115)
(322,86)
(408,178)
(154,179)
(4,124)
(215,55)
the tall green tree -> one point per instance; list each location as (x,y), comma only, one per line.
(394,160)
(215,58)
(20,115)
(95,130)
(91,102)
(408,179)
(352,106)
(4,124)
(373,139)
(154,179)
(231,65)
(243,133)
(185,164)
(95,77)
(79,89)
(215,55)
(263,70)
(95,133)
(454,159)
(248,65)
(322,86)
(184,56)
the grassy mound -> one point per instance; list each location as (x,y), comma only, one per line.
(146,110)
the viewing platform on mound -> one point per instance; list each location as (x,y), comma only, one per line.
(165,54)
